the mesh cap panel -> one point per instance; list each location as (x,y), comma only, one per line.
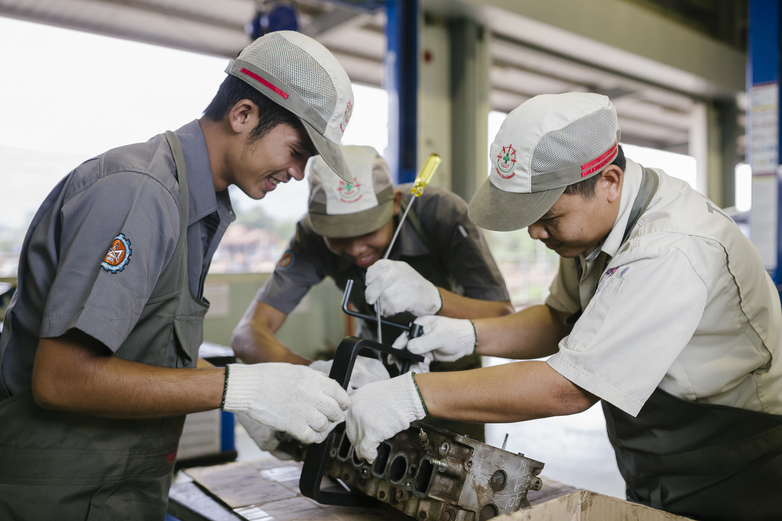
(312,84)
(565,148)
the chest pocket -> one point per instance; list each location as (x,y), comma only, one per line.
(589,331)
(188,337)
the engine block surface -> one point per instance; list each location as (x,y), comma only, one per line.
(432,474)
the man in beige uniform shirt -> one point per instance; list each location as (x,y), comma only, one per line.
(662,310)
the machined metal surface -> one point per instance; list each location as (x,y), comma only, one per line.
(432,474)
(426,472)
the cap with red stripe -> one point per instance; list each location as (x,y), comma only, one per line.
(549,142)
(300,74)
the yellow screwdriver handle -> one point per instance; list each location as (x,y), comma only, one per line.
(426,174)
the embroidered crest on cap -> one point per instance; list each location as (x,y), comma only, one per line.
(286,261)
(346,117)
(349,192)
(118,255)
(506,161)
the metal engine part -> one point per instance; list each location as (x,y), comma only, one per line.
(425,472)
(429,473)
(432,474)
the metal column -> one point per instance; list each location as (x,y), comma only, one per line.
(763,71)
(400,80)
(470,107)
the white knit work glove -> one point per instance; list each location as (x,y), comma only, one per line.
(365,370)
(444,339)
(399,288)
(416,367)
(380,410)
(263,436)
(291,398)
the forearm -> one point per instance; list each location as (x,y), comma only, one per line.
(254,343)
(75,373)
(533,332)
(254,339)
(502,394)
(457,306)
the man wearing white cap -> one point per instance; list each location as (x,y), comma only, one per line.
(662,310)
(440,255)
(99,347)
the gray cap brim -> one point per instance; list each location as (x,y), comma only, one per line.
(351,224)
(495,209)
(329,151)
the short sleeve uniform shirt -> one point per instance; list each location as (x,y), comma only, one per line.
(99,242)
(684,304)
(449,247)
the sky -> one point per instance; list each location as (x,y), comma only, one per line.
(74,95)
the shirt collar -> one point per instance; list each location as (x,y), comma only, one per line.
(203,198)
(630,187)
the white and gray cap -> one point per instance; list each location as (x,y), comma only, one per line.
(301,75)
(338,209)
(547,143)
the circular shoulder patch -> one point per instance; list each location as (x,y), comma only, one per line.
(118,255)
(286,261)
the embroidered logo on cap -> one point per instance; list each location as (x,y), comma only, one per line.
(346,117)
(349,192)
(286,261)
(505,162)
(118,255)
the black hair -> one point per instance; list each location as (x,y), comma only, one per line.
(270,114)
(586,188)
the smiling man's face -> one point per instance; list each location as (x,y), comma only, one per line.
(259,166)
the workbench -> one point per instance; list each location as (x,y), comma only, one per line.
(267,489)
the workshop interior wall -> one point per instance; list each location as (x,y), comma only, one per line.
(313,328)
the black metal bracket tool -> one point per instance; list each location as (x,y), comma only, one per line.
(413,329)
(315,461)
(314,467)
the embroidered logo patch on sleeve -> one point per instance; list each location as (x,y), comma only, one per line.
(286,261)
(118,255)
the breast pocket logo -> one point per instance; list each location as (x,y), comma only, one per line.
(118,255)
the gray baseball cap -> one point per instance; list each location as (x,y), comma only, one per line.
(301,75)
(340,209)
(547,143)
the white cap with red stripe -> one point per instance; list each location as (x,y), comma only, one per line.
(549,142)
(301,75)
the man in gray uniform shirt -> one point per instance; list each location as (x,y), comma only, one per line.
(439,255)
(100,342)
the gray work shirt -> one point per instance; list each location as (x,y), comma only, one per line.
(99,242)
(450,251)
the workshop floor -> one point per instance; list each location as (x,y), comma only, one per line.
(575,449)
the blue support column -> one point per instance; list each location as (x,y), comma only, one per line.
(763,74)
(400,80)
(227,431)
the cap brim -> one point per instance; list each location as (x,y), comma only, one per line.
(330,152)
(495,209)
(351,224)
